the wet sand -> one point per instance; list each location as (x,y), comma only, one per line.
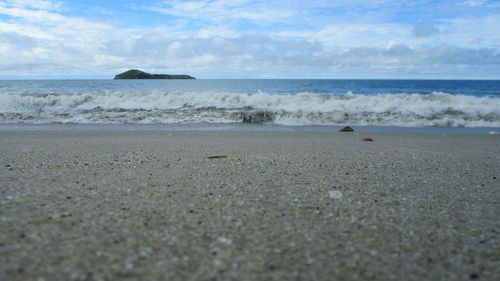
(279,206)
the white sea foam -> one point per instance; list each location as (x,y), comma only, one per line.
(436,109)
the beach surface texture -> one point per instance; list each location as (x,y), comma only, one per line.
(249,206)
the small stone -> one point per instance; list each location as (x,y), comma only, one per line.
(347,129)
(129,264)
(367,139)
(217,157)
(335,194)
(474,276)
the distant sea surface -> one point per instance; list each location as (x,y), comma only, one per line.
(399,103)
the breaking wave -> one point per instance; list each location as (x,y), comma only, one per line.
(404,109)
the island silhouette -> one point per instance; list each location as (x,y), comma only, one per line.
(138,74)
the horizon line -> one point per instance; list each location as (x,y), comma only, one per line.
(260,78)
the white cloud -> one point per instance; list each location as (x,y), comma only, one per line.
(402,55)
(223,10)
(474,3)
(212,31)
(35,4)
(482,3)
(422,29)
(271,53)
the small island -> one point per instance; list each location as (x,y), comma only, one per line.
(137,74)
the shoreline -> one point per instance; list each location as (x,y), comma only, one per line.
(268,205)
(239,127)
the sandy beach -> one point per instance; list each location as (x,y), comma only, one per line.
(274,206)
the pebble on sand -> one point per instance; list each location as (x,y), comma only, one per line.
(335,194)
(367,139)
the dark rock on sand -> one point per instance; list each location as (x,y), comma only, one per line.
(137,74)
(367,139)
(347,129)
(257,117)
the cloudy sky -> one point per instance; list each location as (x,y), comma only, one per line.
(251,39)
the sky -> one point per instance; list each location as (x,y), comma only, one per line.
(388,39)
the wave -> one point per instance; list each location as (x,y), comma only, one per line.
(402,109)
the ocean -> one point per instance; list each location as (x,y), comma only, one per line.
(393,103)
